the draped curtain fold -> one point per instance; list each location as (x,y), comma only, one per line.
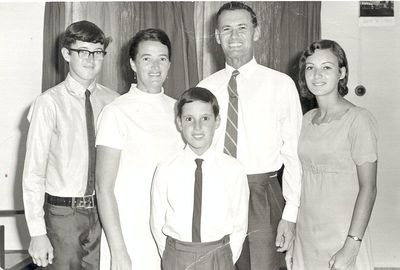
(286,29)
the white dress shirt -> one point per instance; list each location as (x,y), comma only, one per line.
(269,123)
(56,159)
(225,198)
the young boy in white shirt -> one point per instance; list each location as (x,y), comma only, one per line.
(199,197)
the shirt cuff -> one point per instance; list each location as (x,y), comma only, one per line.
(290,213)
(37,228)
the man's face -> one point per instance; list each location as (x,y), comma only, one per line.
(236,35)
(84,71)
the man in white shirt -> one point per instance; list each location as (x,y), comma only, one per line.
(58,179)
(267,119)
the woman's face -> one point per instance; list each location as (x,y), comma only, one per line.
(322,72)
(151,66)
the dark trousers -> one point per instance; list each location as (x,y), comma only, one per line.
(180,255)
(265,211)
(75,236)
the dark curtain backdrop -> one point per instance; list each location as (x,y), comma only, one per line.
(286,27)
(121,20)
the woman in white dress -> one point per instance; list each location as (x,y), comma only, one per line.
(135,132)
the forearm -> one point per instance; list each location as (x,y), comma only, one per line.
(109,216)
(366,174)
(107,164)
(362,210)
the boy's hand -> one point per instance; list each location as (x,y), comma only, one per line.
(285,235)
(41,250)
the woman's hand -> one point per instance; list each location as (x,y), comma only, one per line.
(121,262)
(345,258)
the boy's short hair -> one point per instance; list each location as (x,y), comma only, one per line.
(84,31)
(197,94)
(151,34)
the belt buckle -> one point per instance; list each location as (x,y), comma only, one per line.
(86,202)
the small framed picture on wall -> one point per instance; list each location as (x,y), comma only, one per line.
(377,13)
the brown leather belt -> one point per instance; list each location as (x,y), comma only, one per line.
(88,201)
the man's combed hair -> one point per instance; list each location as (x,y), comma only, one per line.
(84,31)
(237,6)
(338,51)
(197,94)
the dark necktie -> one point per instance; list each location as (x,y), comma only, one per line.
(230,145)
(91,144)
(198,183)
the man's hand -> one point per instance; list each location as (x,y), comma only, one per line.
(285,235)
(41,250)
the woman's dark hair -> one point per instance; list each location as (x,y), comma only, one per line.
(151,34)
(342,60)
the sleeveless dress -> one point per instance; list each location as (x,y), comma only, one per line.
(329,153)
(142,126)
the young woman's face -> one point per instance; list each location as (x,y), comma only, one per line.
(151,66)
(322,72)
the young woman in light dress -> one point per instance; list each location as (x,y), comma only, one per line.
(338,152)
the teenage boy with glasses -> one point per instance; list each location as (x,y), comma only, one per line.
(58,179)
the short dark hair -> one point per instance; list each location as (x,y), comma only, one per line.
(338,51)
(197,94)
(151,34)
(84,31)
(235,6)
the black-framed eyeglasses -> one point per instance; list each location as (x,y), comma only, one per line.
(85,54)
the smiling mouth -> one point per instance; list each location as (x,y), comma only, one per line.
(319,84)
(198,136)
(235,45)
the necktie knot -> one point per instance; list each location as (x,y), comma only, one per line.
(198,161)
(235,73)
(87,93)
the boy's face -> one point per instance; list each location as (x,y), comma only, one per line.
(198,125)
(84,71)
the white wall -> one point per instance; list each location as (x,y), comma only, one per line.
(374,60)
(21,53)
